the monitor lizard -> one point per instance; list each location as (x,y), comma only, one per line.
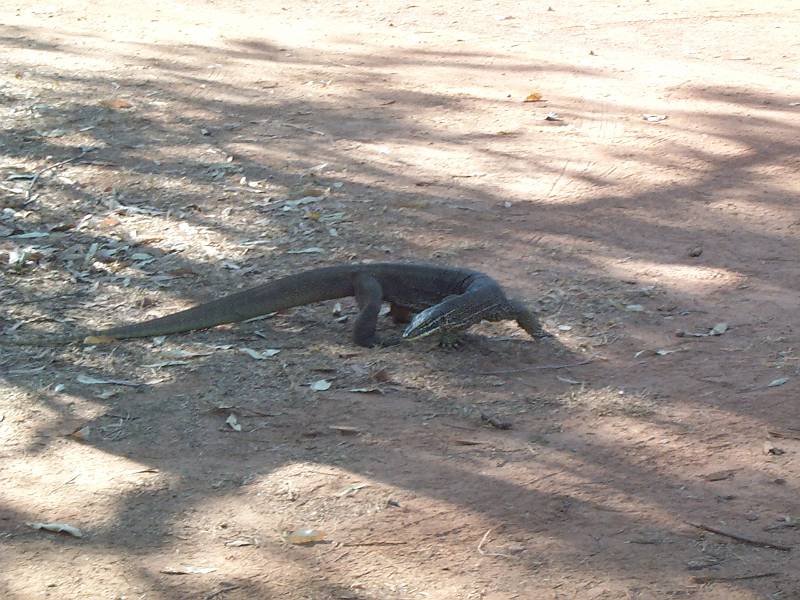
(450,300)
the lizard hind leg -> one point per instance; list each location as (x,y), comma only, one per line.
(400,314)
(528,320)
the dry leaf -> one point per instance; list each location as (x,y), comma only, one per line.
(187,570)
(345,429)
(305,535)
(533,97)
(117,103)
(89,380)
(269,352)
(58,528)
(321,385)
(240,543)
(233,422)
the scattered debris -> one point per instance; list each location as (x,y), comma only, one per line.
(777,382)
(717,329)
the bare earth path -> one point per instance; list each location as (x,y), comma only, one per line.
(236,141)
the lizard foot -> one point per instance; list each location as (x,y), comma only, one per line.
(451,341)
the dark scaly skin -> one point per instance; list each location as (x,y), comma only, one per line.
(458,298)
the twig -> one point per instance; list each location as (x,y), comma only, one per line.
(35,180)
(740,538)
(306,129)
(352,544)
(788,434)
(483,541)
(230,588)
(713,578)
(538,368)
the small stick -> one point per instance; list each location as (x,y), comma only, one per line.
(713,578)
(35,180)
(352,544)
(538,368)
(230,588)
(483,541)
(740,538)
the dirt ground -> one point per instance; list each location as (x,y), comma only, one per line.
(227,143)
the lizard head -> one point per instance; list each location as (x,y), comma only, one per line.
(457,313)
(426,323)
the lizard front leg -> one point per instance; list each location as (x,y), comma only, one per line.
(369,297)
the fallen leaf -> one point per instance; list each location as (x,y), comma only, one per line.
(533,97)
(305,535)
(720,475)
(719,329)
(166,363)
(233,422)
(96,340)
(321,385)
(345,429)
(312,250)
(58,528)
(117,103)
(269,352)
(351,489)
(240,543)
(187,570)
(89,380)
